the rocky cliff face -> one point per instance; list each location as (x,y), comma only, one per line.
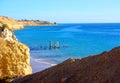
(102,68)
(11,23)
(14,56)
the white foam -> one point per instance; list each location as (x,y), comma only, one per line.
(41,64)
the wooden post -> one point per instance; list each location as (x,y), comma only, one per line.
(50,45)
(57,45)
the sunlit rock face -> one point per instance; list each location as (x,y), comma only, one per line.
(11,23)
(14,56)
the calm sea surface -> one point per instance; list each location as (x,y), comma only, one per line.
(76,40)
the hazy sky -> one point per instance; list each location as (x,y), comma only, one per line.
(62,10)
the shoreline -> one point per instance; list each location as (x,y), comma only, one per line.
(41,64)
(42,25)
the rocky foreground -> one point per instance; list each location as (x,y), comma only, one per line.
(102,68)
(14,56)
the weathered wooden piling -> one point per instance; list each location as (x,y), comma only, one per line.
(51,45)
(57,44)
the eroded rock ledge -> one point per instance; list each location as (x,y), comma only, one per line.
(102,68)
(14,56)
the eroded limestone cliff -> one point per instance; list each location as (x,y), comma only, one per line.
(14,56)
(15,25)
(11,23)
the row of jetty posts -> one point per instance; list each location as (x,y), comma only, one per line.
(54,45)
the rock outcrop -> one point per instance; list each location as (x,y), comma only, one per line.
(11,23)
(14,56)
(102,68)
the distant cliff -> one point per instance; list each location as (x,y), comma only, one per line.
(14,56)
(34,23)
(19,24)
(11,23)
(102,68)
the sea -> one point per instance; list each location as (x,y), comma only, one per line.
(50,45)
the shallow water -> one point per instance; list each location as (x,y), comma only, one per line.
(76,40)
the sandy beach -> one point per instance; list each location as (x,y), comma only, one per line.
(40,64)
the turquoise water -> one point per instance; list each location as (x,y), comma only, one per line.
(76,40)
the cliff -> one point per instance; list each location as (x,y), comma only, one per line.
(14,56)
(102,68)
(35,23)
(15,25)
(11,23)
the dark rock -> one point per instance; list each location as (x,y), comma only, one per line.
(102,68)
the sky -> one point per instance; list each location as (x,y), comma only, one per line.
(63,11)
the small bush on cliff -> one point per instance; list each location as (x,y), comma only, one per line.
(5,26)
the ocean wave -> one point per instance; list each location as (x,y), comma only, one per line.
(104,32)
(72,29)
(45,61)
(116,30)
(39,48)
(46,54)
